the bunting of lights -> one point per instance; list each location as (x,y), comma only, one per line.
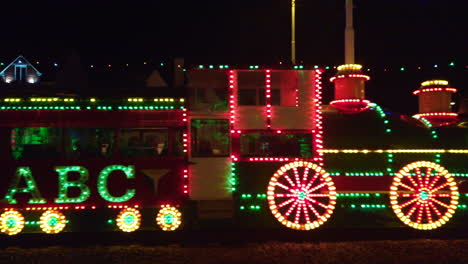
(147,63)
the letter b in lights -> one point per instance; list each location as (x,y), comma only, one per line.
(65,183)
(103,179)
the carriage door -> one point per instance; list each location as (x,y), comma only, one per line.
(210,167)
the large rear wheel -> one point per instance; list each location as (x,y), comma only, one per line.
(424,195)
(301,195)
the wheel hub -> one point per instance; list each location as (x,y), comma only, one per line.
(301,195)
(424,195)
(11,222)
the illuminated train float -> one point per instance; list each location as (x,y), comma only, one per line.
(246,148)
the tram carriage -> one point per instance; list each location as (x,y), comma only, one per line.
(92,165)
(247,148)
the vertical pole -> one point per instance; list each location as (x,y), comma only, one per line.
(349,33)
(293,31)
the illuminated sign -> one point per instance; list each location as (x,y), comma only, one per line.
(65,183)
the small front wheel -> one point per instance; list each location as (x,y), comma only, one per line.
(169,218)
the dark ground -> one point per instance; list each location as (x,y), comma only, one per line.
(409,251)
(254,246)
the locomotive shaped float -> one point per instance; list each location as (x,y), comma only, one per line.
(245,148)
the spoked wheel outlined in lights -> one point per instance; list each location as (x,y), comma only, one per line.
(301,195)
(424,195)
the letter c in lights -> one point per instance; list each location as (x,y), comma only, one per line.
(102,183)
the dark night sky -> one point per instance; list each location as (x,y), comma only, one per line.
(390,33)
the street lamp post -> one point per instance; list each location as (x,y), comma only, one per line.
(349,33)
(293,32)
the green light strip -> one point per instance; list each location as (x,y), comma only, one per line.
(388,130)
(252,207)
(31,187)
(355,195)
(33,223)
(233,178)
(424,121)
(366,206)
(249,196)
(459,174)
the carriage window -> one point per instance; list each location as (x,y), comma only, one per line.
(258,97)
(210,138)
(248,97)
(150,142)
(88,142)
(208,90)
(276,145)
(35,142)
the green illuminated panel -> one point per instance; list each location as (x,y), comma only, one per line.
(103,181)
(31,187)
(65,184)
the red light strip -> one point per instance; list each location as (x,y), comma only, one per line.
(352,105)
(441,114)
(232,97)
(428,90)
(297,97)
(277,131)
(47,208)
(59,208)
(184,115)
(232,110)
(185,140)
(351,101)
(268,97)
(186,177)
(318,135)
(272,159)
(122,206)
(359,76)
